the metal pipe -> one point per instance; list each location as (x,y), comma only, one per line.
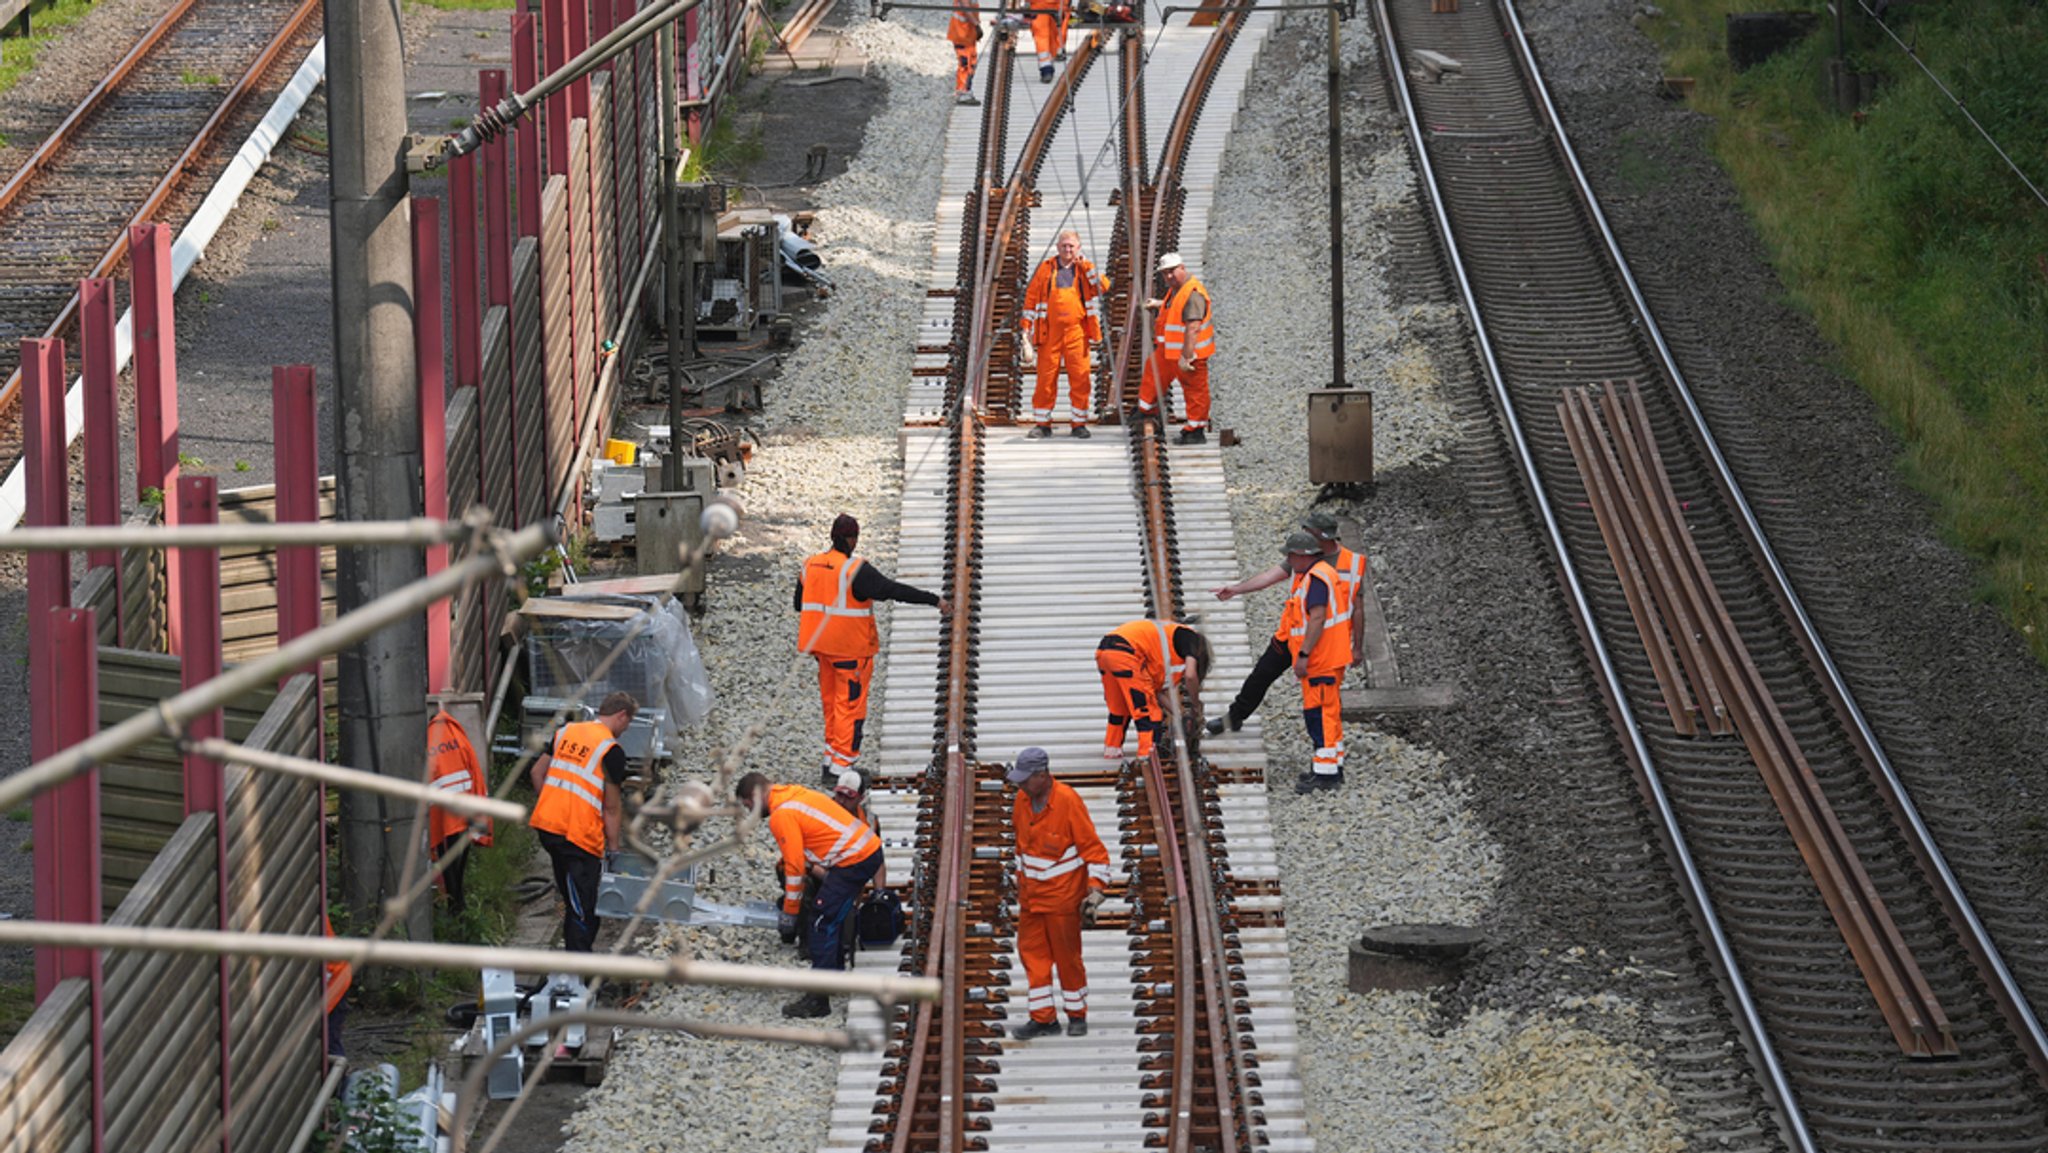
(725,59)
(468,804)
(417,532)
(1336,213)
(672,270)
(170,716)
(320,1100)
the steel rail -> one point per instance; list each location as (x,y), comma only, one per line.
(172,179)
(1748,1018)
(2004,987)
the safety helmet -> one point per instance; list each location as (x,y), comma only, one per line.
(1170,261)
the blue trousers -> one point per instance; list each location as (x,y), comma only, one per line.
(834,903)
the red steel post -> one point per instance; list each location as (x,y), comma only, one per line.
(156,386)
(295,439)
(462,254)
(198,606)
(693,43)
(102,417)
(433,400)
(554,44)
(579,39)
(526,137)
(75,640)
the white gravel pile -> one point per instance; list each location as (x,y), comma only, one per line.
(1398,843)
(831,447)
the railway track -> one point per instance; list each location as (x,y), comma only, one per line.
(1872,998)
(1053,544)
(124,152)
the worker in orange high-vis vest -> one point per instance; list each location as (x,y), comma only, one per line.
(452,766)
(576,813)
(1062,321)
(835,607)
(1183,340)
(1317,621)
(964,30)
(1137,661)
(1276,659)
(823,841)
(1049,34)
(1062,872)
(337,977)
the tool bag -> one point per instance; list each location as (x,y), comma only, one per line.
(878,921)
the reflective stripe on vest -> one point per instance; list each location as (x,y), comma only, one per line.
(850,835)
(1041,869)
(578,785)
(455,782)
(818,616)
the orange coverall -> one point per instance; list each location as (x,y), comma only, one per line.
(454,766)
(1062,321)
(964,30)
(1321,703)
(839,629)
(1182,346)
(1059,859)
(1136,663)
(1049,32)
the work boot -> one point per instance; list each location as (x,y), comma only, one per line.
(1191,436)
(1038,432)
(1080,432)
(1216,726)
(965,98)
(829,773)
(1032,1030)
(808,1005)
(1318,782)
(1062,57)
(1045,73)
(1077,1026)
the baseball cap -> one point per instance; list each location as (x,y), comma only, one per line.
(848,782)
(1030,763)
(1170,261)
(1320,521)
(845,527)
(1302,543)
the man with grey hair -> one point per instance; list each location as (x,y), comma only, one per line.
(1062,872)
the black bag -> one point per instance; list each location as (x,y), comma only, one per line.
(878,921)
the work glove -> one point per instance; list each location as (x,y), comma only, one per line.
(1027,353)
(785,923)
(611,861)
(1090,905)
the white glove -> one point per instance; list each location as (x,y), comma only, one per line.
(1091,905)
(1027,353)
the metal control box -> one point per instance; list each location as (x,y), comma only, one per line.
(1340,436)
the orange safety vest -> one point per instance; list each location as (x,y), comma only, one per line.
(964,29)
(452,760)
(339,975)
(1059,855)
(1333,649)
(812,829)
(1047,304)
(1176,342)
(834,622)
(1153,642)
(571,802)
(1350,569)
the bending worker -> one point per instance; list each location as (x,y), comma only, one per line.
(836,623)
(1137,661)
(820,840)
(576,813)
(452,766)
(1056,898)
(964,30)
(1350,566)
(1062,320)
(1317,621)
(1183,340)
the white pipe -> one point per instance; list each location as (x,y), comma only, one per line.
(342,777)
(185,252)
(417,532)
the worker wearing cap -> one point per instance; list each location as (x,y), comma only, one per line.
(1317,622)
(851,792)
(964,31)
(1062,875)
(1350,566)
(452,767)
(1138,660)
(822,841)
(834,601)
(1183,340)
(576,811)
(1062,320)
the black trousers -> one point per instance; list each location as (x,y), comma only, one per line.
(452,875)
(1272,663)
(576,875)
(834,903)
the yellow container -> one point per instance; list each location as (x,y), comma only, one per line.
(620,451)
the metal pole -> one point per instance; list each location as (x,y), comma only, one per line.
(466,804)
(1336,216)
(417,533)
(671,259)
(383,684)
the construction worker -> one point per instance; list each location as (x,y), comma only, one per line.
(1350,566)
(1062,873)
(964,30)
(336,977)
(1317,621)
(1049,34)
(834,601)
(1183,339)
(576,811)
(1137,661)
(1062,320)
(822,841)
(452,766)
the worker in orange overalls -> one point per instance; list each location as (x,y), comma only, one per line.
(1350,566)
(1062,320)
(1137,661)
(577,810)
(835,598)
(964,30)
(452,765)
(336,977)
(1183,340)
(821,840)
(1062,873)
(1317,621)
(1049,34)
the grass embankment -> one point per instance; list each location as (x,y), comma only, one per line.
(1919,254)
(18,53)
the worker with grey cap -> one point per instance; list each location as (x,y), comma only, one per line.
(1350,568)
(1062,873)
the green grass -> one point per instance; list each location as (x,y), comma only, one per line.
(1914,249)
(18,53)
(194,79)
(17,1002)
(725,150)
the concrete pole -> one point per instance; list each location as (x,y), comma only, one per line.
(383,685)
